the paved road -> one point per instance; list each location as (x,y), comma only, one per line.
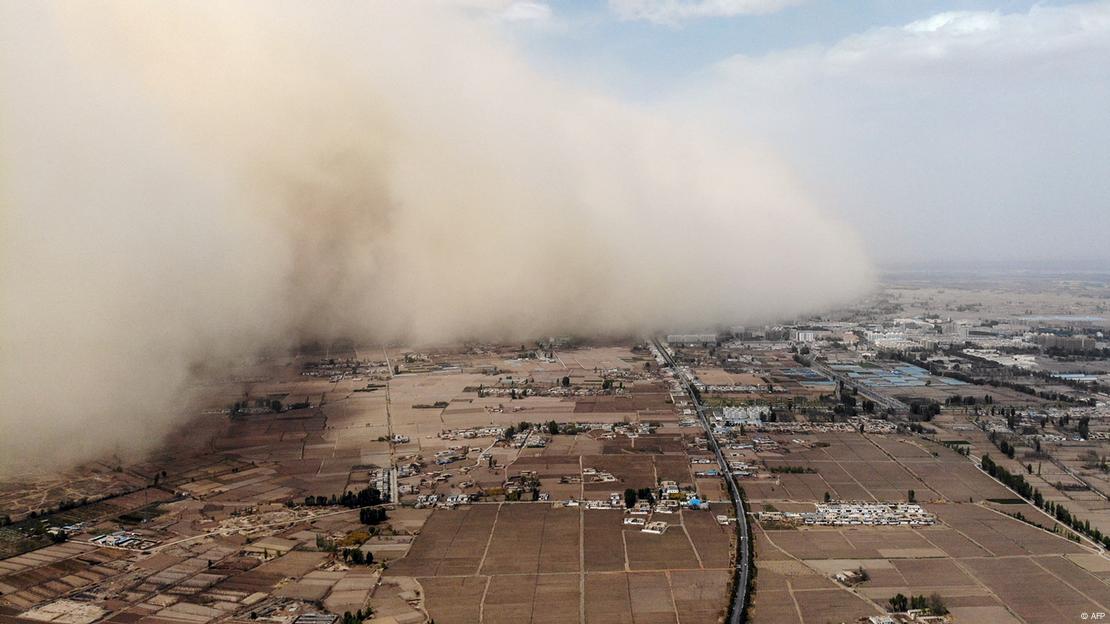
(743,565)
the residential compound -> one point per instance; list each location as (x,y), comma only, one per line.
(854,514)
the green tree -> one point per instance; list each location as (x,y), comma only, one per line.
(899,603)
(629,497)
(372,516)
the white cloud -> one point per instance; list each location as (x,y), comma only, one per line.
(957,22)
(535,14)
(982,38)
(971,134)
(672,11)
(526,12)
(477,5)
(957,43)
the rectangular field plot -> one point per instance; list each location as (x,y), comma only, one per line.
(818,544)
(607,599)
(451,543)
(952,542)
(533,538)
(1033,592)
(634,472)
(531,598)
(959,482)
(654,552)
(854,467)
(832,605)
(674,468)
(888,481)
(456,600)
(1000,534)
(711,540)
(650,597)
(773,607)
(531,570)
(604,544)
(937,573)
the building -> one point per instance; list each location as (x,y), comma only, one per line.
(692,340)
(316,618)
(1070,344)
(804,335)
(737,415)
(850,577)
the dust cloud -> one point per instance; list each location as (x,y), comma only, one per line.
(193,182)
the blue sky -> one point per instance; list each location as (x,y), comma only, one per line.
(958,130)
(646,56)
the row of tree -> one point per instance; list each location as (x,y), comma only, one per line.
(364,498)
(644,494)
(372,515)
(956,399)
(521,427)
(791,470)
(925,409)
(1006,448)
(960,447)
(357,617)
(552,428)
(934,603)
(1017,483)
(357,557)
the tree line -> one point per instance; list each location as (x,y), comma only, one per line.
(1017,483)
(365,497)
(900,603)
(644,494)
